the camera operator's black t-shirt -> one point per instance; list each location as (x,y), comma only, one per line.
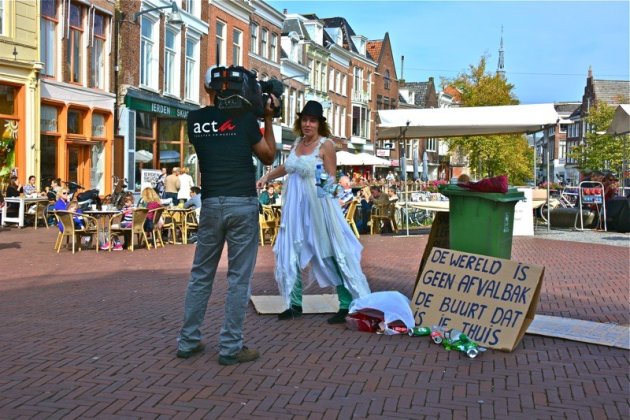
(223,143)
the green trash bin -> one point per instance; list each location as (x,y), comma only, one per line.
(481,223)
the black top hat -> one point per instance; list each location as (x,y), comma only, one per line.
(314,109)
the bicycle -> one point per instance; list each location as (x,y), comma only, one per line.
(417,217)
(116,198)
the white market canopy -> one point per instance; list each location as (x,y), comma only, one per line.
(472,121)
(359,159)
(621,122)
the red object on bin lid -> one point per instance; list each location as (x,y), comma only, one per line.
(498,184)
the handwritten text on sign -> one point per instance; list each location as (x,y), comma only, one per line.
(489,299)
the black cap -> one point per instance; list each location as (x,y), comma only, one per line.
(314,109)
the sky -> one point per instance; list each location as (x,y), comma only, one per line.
(549,45)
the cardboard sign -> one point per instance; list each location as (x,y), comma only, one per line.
(489,299)
(149,176)
(437,237)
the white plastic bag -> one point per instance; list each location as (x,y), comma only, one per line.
(394,306)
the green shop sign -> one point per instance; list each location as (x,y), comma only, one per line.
(156,108)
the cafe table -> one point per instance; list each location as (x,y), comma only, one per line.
(103,216)
(23,203)
(178,221)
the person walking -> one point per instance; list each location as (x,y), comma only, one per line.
(229,214)
(185,182)
(313,230)
(171,186)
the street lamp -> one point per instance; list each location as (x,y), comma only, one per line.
(175,18)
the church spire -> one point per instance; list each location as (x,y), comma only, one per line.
(501,66)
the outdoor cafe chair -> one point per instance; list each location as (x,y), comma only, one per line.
(72,233)
(136,228)
(190,224)
(40,212)
(156,232)
(383,214)
(352,209)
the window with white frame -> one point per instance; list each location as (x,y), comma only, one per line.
(221,54)
(386,80)
(337,121)
(193,7)
(432,145)
(48,37)
(369,85)
(343,121)
(264,43)
(331,79)
(337,81)
(253,40)
(344,85)
(171,62)
(358,79)
(322,75)
(237,46)
(74,45)
(98,62)
(148,53)
(360,118)
(273,48)
(191,89)
(314,66)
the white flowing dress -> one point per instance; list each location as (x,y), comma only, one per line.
(313,231)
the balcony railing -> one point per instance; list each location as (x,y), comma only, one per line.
(360,96)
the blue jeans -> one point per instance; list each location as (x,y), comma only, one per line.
(223,219)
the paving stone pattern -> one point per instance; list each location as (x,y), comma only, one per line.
(93,336)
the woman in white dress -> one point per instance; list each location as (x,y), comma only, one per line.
(313,230)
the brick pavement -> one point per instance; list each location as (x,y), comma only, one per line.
(90,335)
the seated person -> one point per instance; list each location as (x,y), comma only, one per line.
(269,196)
(374,197)
(73,206)
(150,200)
(194,202)
(125,222)
(13,190)
(61,204)
(30,188)
(346,196)
(391,194)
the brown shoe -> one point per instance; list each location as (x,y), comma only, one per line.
(243,356)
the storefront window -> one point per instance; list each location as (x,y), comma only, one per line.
(75,121)
(98,125)
(169,155)
(170,129)
(97,171)
(48,145)
(8,99)
(144,124)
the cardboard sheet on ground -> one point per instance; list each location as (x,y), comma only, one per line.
(491,300)
(311,304)
(584,331)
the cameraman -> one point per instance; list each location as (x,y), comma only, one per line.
(224,143)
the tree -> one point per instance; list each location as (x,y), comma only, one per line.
(600,152)
(491,155)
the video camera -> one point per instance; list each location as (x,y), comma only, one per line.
(238,91)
